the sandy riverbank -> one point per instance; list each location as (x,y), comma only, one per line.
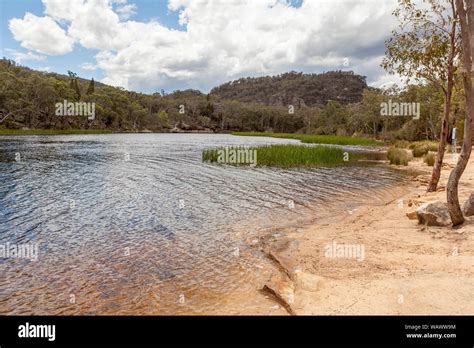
(405,268)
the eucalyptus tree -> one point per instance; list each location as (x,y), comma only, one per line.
(425,47)
(466,20)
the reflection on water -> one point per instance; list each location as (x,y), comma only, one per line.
(137,224)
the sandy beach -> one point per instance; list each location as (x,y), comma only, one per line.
(398,266)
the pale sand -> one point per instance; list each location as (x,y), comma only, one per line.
(408,268)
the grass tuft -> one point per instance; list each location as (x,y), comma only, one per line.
(432,145)
(429,159)
(402,144)
(315,139)
(287,155)
(420,150)
(398,156)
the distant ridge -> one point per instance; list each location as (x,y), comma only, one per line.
(295,88)
(28,100)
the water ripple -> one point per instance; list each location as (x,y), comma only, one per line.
(137,224)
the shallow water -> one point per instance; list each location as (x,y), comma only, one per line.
(137,224)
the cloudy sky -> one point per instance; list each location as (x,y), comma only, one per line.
(147,45)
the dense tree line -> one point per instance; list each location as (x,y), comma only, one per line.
(27,99)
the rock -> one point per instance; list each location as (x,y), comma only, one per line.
(434,214)
(417,201)
(281,252)
(281,290)
(468,206)
(412,215)
(307,281)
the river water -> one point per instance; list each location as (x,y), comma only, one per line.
(138,224)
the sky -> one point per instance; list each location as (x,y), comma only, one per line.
(149,45)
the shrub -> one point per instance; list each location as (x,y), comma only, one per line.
(398,156)
(402,144)
(432,145)
(420,150)
(429,159)
(341,132)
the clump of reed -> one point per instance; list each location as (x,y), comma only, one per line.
(429,159)
(283,156)
(398,156)
(315,139)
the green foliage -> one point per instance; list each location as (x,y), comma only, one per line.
(164,119)
(431,145)
(419,47)
(429,159)
(398,156)
(315,139)
(295,89)
(286,156)
(73,84)
(402,144)
(420,150)
(91,88)
(28,97)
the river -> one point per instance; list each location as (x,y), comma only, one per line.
(138,224)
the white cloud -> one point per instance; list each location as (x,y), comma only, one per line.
(62,10)
(88,66)
(223,40)
(386,81)
(22,56)
(126,11)
(41,34)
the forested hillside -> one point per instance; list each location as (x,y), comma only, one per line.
(296,89)
(28,98)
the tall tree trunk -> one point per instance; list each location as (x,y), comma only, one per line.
(433,185)
(470,18)
(467,53)
(435,175)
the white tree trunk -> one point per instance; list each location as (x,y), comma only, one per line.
(466,22)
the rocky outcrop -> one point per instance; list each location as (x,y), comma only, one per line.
(468,206)
(307,281)
(285,284)
(434,214)
(412,215)
(282,290)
